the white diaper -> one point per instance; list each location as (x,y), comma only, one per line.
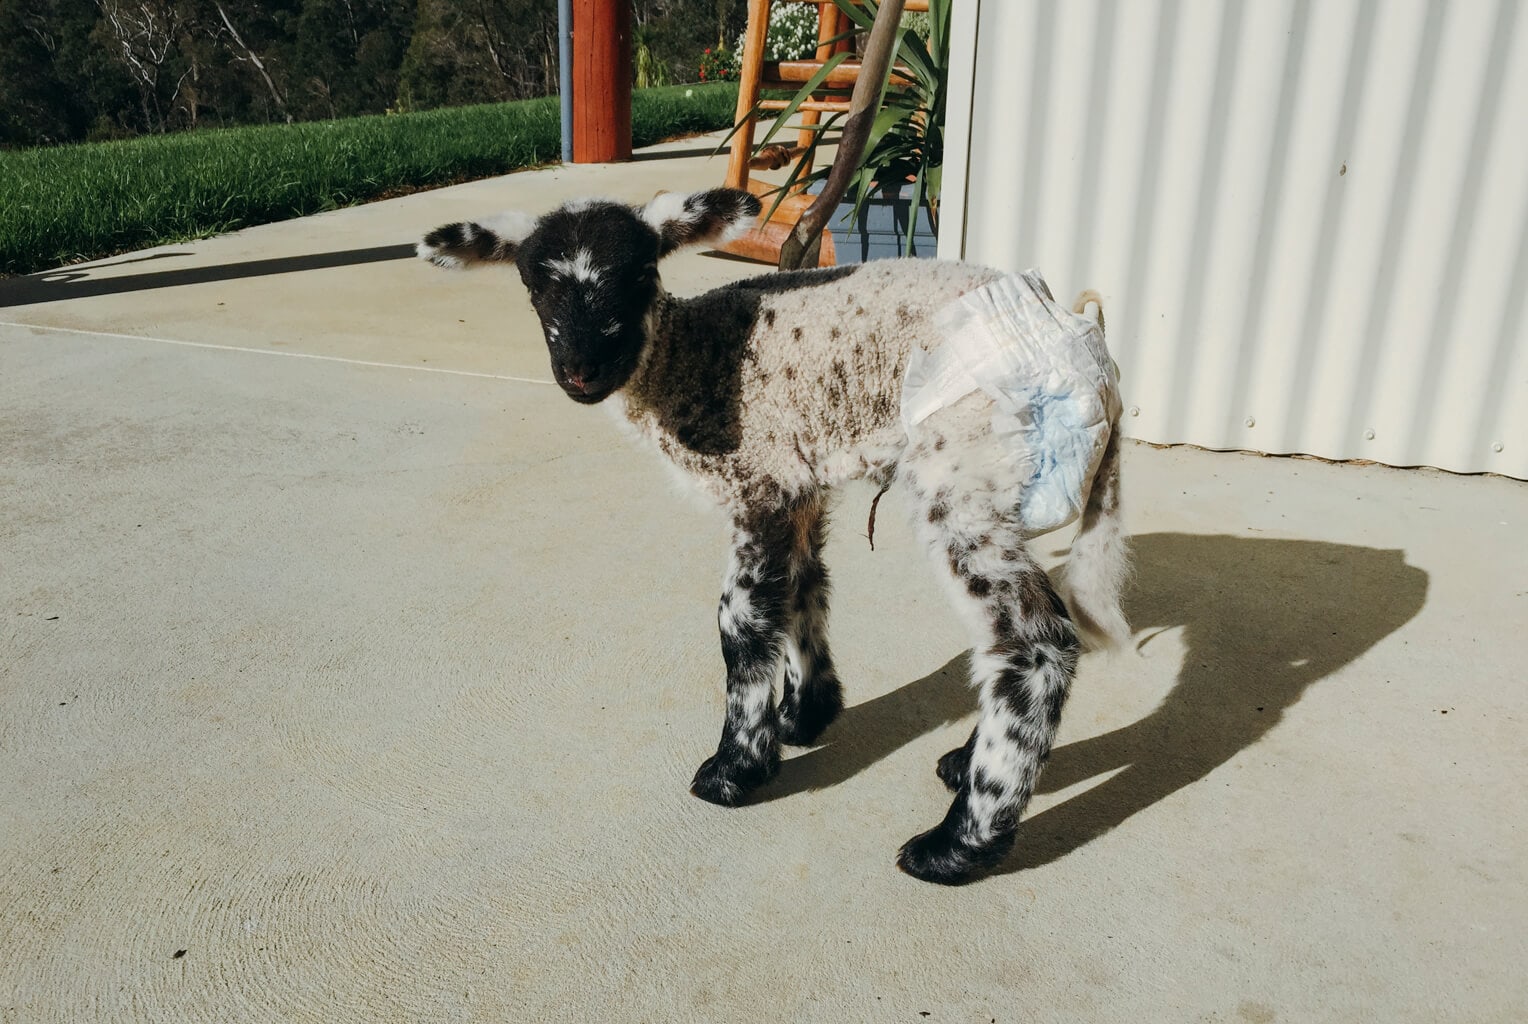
(1054,387)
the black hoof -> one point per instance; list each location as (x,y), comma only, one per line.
(952,768)
(728,781)
(804,715)
(942,857)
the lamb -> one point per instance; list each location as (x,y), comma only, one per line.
(768,393)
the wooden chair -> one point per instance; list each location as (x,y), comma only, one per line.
(758,74)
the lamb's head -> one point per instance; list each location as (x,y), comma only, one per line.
(592,271)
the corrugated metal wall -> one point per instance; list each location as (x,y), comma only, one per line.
(1308,220)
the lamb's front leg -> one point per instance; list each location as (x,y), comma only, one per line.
(752,617)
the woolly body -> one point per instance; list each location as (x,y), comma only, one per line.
(769,392)
(753,392)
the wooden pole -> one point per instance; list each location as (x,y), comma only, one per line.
(601,81)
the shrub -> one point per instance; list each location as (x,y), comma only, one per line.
(719,66)
(792,32)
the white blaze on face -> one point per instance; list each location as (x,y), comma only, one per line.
(580,267)
(579,205)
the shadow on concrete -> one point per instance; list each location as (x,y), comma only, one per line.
(77,283)
(868,732)
(1262,620)
(645,155)
(829,138)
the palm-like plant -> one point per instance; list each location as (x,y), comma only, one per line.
(906,139)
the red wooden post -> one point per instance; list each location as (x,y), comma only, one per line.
(601,81)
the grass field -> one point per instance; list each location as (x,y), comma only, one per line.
(60,205)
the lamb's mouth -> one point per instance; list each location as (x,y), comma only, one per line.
(585,391)
(589,397)
(588,392)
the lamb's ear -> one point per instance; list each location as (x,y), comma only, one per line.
(712,217)
(475,242)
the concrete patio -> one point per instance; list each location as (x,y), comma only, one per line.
(349,672)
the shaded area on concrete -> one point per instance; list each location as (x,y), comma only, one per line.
(1264,620)
(61,285)
(645,156)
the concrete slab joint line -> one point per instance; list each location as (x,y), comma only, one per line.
(272,352)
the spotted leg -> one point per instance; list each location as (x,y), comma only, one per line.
(813,696)
(752,617)
(1024,656)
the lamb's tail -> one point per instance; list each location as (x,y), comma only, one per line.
(1100,560)
(1080,306)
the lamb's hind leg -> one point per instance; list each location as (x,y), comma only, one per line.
(813,696)
(1024,657)
(752,619)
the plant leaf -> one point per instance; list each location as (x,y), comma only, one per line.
(910,51)
(802,95)
(939,27)
(753,115)
(862,15)
(915,205)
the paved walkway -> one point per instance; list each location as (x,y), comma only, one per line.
(348,672)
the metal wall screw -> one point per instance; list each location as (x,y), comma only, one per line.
(1135,410)
(1496,447)
(1368,435)
(1251,422)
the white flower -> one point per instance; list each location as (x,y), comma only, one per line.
(792,32)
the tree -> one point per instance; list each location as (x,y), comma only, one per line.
(677,31)
(479,50)
(244,53)
(346,55)
(56,83)
(76,69)
(145,37)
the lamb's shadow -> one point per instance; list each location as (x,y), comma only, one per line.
(1261,619)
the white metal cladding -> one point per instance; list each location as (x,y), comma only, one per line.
(1308,218)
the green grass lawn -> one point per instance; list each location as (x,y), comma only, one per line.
(63,204)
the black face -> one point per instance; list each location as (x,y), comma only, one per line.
(592,275)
